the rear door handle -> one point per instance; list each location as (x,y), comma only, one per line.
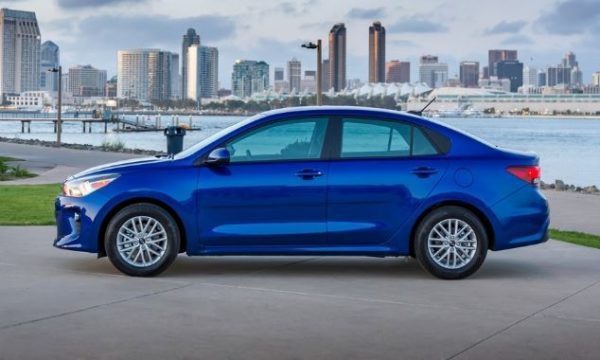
(424,171)
(308,174)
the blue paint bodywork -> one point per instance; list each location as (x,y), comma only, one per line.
(357,207)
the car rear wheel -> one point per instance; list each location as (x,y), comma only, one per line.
(451,243)
(142,240)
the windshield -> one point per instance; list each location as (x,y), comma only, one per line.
(214,137)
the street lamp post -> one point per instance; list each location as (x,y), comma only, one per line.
(59,106)
(311,45)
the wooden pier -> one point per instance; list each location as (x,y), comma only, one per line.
(140,124)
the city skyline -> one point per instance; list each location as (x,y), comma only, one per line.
(246,31)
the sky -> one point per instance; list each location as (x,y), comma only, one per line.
(91,31)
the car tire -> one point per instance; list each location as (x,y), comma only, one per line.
(142,240)
(451,242)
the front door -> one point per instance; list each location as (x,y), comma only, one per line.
(273,192)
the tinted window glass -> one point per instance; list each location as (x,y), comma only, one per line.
(421,144)
(285,140)
(375,138)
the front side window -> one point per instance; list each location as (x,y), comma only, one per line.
(285,140)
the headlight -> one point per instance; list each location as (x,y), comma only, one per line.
(87,185)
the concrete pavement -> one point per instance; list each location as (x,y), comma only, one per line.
(535,302)
(54,165)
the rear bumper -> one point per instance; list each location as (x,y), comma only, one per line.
(523,219)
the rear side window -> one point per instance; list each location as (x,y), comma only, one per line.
(371,138)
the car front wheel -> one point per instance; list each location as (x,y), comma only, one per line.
(142,240)
(451,243)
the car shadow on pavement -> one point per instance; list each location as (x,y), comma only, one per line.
(338,267)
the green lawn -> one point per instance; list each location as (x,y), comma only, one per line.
(576,238)
(27,204)
(34,205)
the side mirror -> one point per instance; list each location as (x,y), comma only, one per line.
(218,157)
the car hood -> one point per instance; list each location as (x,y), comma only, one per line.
(120,166)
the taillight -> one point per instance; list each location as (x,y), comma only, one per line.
(530,174)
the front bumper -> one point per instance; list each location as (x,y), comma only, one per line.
(76,223)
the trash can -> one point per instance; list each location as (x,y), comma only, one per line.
(174,136)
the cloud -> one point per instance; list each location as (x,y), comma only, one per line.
(80,4)
(402,42)
(417,25)
(506,27)
(517,40)
(571,17)
(358,13)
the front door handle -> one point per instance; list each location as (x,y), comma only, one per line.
(308,174)
(424,171)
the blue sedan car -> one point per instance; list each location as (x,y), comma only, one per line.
(311,181)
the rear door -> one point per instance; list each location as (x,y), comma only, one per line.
(381,172)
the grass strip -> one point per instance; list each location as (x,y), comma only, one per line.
(27,204)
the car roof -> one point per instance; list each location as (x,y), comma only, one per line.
(332,109)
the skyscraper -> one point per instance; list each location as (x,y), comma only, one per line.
(294,70)
(189,38)
(325,75)
(495,56)
(337,57)
(193,69)
(558,75)
(432,72)
(49,59)
(144,74)
(209,72)
(249,77)
(397,71)
(511,70)
(376,53)
(278,74)
(86,81)
(530,76)
(19,52)
(541,78)
(279,82)
(469,73)
(596,79)
(175,77)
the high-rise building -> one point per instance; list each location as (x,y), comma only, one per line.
(189,38)
(86,81)
(294,71)
(376,53)
(569,60)
(469,73)
(326,85)
(511,70)
(485,72)
(278,74)
(432,72)
(495,56)
(337,57)
(309,82)
(49,59)
(279,82)
(576,76)
(397,71)
(193,69)
(249,77)
(175,77)
(19,52)
(530,76)
(558,75)
(542,79)
(144,74)
(209,72)
(596,79)
(111,88)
